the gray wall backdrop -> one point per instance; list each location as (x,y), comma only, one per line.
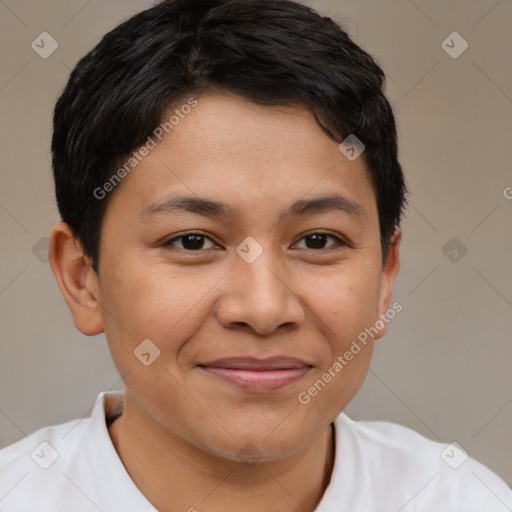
(443,369)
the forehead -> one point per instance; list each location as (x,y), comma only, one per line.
(245,155)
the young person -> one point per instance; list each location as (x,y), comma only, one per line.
(227,176)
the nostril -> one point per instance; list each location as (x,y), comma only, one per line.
(241,324)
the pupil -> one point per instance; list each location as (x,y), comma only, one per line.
(318,240)
(193,241)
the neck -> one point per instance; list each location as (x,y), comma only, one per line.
(173,474)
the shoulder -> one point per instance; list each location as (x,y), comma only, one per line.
(431,473)
(68,467)
(28,467)
(37,447)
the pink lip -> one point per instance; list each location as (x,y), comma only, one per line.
(258,375)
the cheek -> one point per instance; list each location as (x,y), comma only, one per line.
(347,306)
(156,302)
(346,302)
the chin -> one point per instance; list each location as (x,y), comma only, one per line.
(250,452)
(262,445)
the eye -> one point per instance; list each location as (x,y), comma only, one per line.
(193,241)
(317,240)
(189,241)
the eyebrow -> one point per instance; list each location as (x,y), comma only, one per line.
(213,208)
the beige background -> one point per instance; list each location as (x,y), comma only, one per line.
(444,367)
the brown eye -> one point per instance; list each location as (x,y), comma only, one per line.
(318,241)
(189,241)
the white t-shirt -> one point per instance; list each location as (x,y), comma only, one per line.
(378,467)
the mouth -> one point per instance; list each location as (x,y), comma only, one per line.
(253,374)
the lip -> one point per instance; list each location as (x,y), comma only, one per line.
(253,374)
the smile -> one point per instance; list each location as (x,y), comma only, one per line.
(257,375)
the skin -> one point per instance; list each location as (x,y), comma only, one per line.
(182,428)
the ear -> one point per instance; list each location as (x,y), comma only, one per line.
(389,273)
(77,280)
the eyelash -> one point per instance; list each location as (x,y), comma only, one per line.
(339,242)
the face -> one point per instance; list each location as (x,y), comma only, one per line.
(249,304)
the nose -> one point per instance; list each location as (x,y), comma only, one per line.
(260,297)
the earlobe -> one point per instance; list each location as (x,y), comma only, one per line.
(76,279)
(388,276)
